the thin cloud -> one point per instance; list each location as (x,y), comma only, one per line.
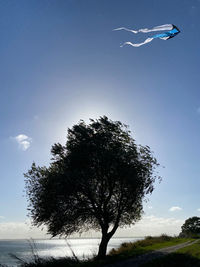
(198,209)
(148,225)
(152,225)
(21,230)
(175,208)
(24,141)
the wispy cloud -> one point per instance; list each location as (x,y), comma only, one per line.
(148,225)
(198,209)
(175,208)
(21,230)
(152,225)
(24,141)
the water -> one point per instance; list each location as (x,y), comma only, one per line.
(56,248)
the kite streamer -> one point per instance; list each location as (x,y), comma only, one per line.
(171,31)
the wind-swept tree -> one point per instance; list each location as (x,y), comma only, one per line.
(97,180)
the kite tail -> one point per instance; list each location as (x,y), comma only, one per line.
(148,40)
(128,30)
(165,27)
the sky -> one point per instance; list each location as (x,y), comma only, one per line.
(61,62)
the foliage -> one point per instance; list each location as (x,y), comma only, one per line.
(49,262)
(96,181)
(191,227)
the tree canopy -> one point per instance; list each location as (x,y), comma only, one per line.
(191,227)
(97,180)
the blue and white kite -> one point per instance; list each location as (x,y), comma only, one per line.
(171,31)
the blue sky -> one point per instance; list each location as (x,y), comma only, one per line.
(61,62)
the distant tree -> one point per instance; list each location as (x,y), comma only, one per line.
(191,227)
(98,180)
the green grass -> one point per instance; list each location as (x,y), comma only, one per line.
(125,251)
(193,250)
(185,257)
(149,244)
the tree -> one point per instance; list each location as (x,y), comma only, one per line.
(98,180)
(191,227)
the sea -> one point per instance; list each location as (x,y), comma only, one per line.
(24,249)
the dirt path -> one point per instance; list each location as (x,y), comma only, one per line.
(136,262)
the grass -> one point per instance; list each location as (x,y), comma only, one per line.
(125,251)
(149,244)
(51,262)
(185,257)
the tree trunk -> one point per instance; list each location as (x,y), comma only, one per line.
(103,246)
(105,239)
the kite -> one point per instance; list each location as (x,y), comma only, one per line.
(170,31)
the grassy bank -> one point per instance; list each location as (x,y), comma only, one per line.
(125,251)
(185,257)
